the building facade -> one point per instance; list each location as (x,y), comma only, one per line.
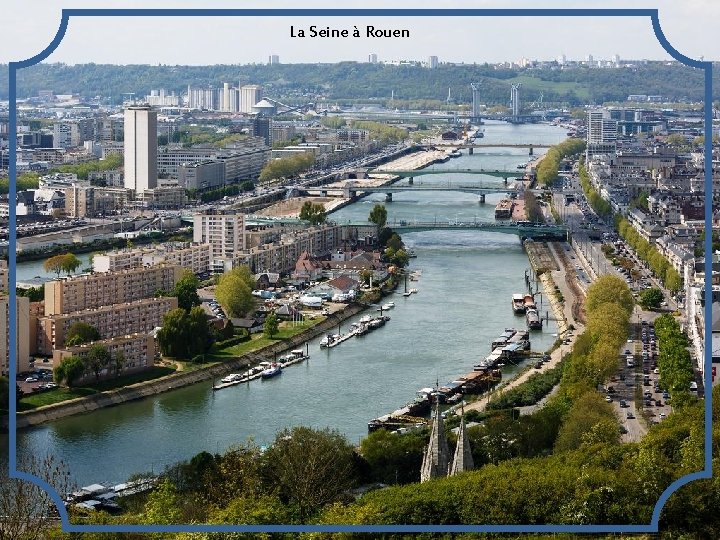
(67,295)
(140,146)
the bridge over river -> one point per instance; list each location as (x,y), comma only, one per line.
(524,229)
(421,172)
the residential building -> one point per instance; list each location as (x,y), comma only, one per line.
(194,257)
(90,291)
(137,351)
(22,338)
(601,132)
(432,62)
(140,145)
(140,316)
(224,232)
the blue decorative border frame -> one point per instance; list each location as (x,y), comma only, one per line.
(651,13)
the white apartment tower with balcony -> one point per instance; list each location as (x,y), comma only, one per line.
(140,147)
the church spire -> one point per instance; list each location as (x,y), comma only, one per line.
(436,458)
(462,461)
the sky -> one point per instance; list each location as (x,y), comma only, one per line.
(28,27)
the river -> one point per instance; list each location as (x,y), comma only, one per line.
(467,279)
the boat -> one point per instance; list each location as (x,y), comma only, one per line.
(328,340)
(231,378)
(411,254)
(518,303)
(455,153)
(504,209)
(413,291)
(387,306)
(529,302)
(293,357)
(272,371)
(522,166)
(533,319)
(407,293)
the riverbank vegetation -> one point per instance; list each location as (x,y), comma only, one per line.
(562,464)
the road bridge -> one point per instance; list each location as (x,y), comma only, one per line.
(421,172)
(524,229)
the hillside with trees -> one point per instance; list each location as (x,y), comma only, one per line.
(412,85)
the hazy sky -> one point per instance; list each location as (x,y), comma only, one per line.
(28,27)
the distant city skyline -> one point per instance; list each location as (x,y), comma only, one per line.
(237,40)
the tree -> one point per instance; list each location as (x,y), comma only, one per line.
(71,368)
(314,213)
(378,216)
(186,291)
(310,468)
(81,332)
(234,291)
(70,263)
(609,288)
(270,328)
(651,298)
(25,506)
(97,359)
(184,334)
(55,264)
(118,362)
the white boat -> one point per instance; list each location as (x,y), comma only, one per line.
(387,306)
(391,304)
(272,371)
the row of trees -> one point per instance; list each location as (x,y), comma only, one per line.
(384,133)
(674,361)
(547,170)
(286,167)
(649,254)
(597,203)
(82,170)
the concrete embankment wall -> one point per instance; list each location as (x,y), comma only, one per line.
(145,389)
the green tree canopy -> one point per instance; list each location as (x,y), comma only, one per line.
(651,298)
(378,215)
(97,359)
(184,334)
(70,369)
(271,325)
(186,291)
(81,332)
(609,288)
(314,213)
(234,291)
(310,468)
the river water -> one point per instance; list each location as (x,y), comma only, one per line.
(467,279)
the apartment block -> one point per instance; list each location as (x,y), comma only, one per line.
(141,316)
(93,291)
(137,350)
(21,341)
(194,257)
(224,232)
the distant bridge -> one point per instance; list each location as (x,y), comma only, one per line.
(351,191)
(524,229)
(420,172)
(461,144)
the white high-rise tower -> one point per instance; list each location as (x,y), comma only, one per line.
(140,148)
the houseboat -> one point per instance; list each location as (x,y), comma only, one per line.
(533,319)
(504,209)
(518,303)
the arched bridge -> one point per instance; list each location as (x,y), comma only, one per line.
(420,172)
